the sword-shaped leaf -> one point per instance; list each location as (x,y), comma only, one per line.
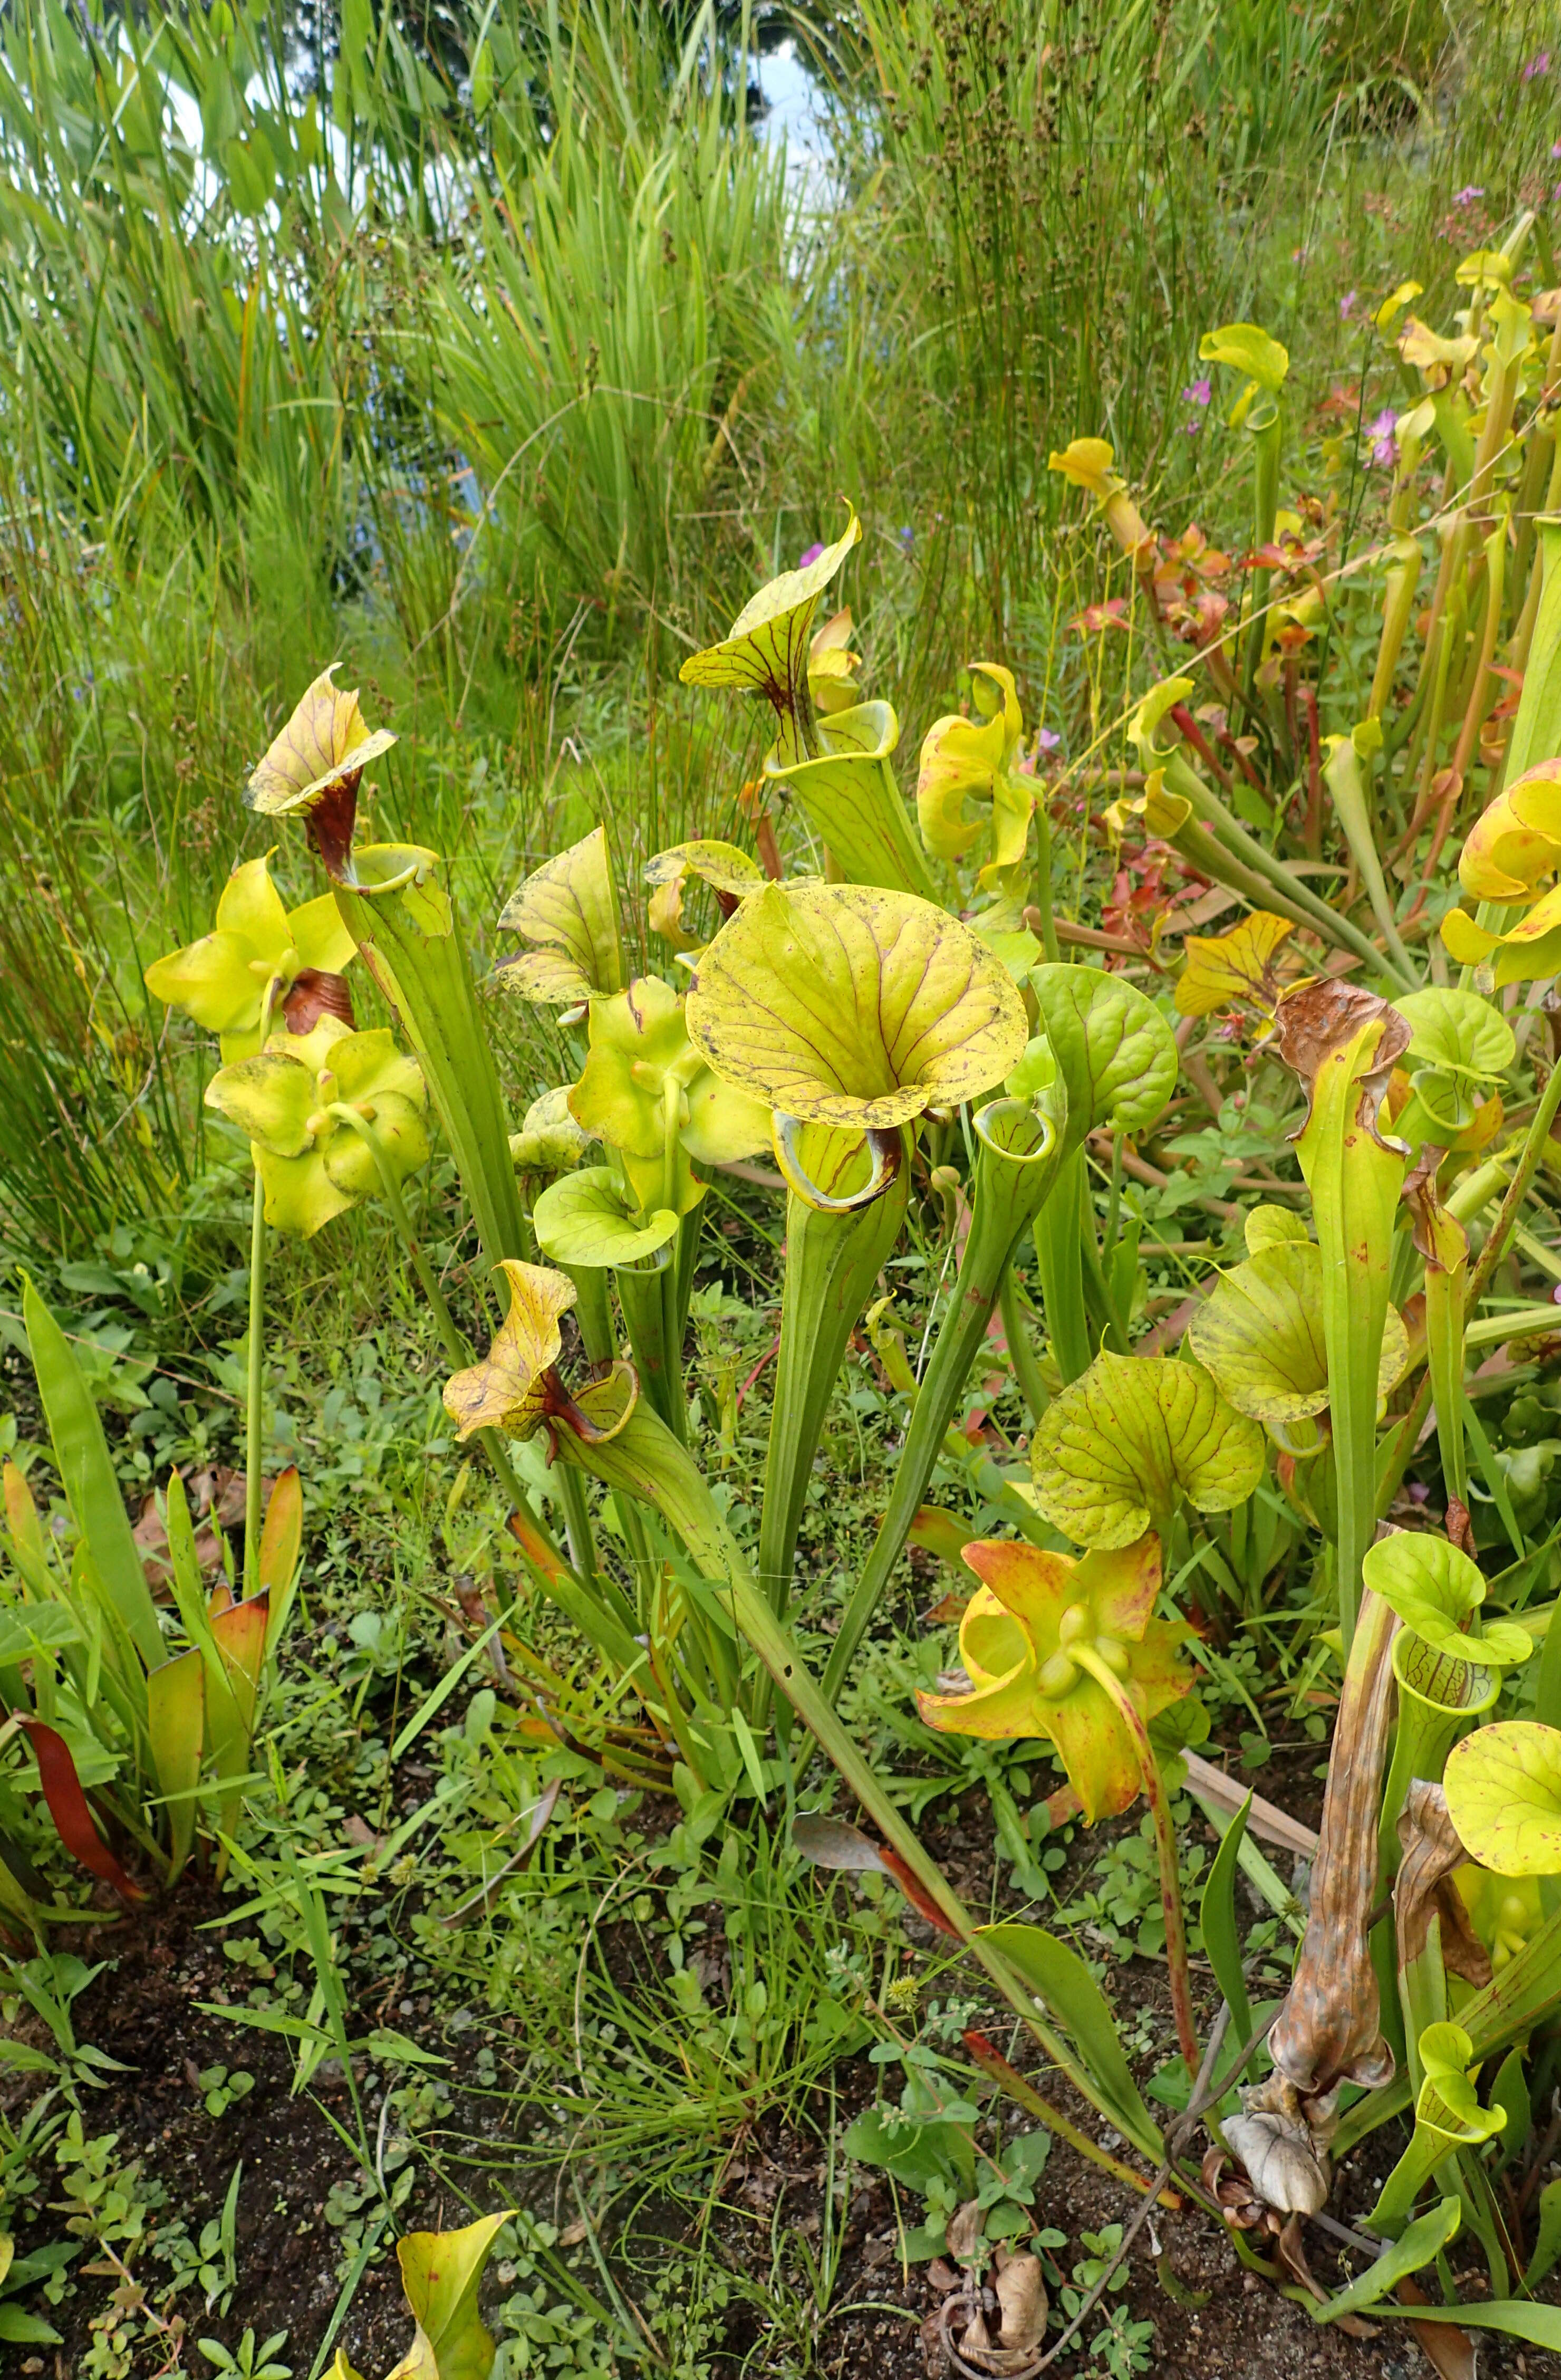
(87,1473)
(176,1717)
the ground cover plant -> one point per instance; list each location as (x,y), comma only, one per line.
(728,1421)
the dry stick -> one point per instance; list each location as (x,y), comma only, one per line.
(1022,2091)
(1180,2132)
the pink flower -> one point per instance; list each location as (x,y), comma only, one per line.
(811,555)
(1197,392)
(1539,64)
(1467,196)
(1346,304)
(1048,739)
(1384,446)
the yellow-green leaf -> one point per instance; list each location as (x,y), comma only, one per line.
(767,648)
(730,873)
(584,1219)
(1247,349)
(1260,1333)
(720,865)
(1457,1033)
(1448,2118)
(442,2272)
(1273,1227)
(1436,1589)
(568,911)
(853,1006)
(507,1390)
(1116,1054)
(849,796)
(1223,969)
(1122,1443)
(325,745)
(1503,1785)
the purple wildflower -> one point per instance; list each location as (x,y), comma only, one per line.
(1048,739)
(1347,304)
(1197,392)
(1469,192)
(1539,64)
(811,555)
(1384,446)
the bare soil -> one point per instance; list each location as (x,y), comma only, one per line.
(144,2010)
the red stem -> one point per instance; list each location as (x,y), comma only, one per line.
(1165,1850)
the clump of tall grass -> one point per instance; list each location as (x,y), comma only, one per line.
(1063,198)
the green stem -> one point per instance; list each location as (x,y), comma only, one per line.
(1010,1192)
(1265,430)
(1182,778)
(593,1311)
(1517,1191)
(649,1297)
(1058,1238)
(1051,947)
(1342,774)
(672,1341)
(1026,1370)
(571,1593)
(645,1460)
(254,1399)
(832,1261)
(255,1389)
(405,931)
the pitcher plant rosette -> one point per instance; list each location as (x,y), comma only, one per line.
(866,1008)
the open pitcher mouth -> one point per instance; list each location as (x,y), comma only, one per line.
(1015,1131)
(885,1152)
